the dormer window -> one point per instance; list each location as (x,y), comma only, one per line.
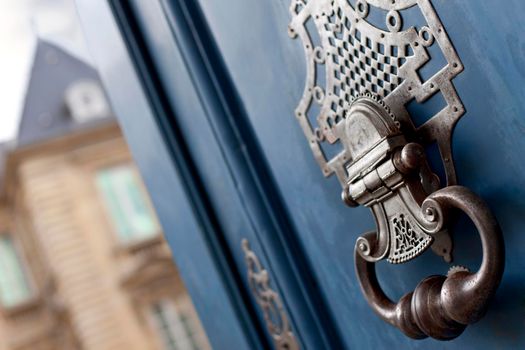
(86,101)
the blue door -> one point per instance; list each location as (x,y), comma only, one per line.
(208,93)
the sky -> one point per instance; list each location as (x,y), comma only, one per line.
(21,22)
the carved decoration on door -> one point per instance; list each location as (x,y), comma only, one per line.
(268,299)
(360,76)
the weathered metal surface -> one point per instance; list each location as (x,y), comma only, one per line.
(386,175)
(275,316)
(442,306)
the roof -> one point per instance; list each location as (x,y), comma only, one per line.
(45,114)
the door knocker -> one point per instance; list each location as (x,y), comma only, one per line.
(370,75)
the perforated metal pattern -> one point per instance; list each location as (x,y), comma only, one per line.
(355,57)
(407,242)
(358,63)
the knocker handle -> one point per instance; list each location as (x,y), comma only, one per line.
(442,306)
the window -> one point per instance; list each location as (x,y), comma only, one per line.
(14,285)
(127,203)
(86,101)
(173,328)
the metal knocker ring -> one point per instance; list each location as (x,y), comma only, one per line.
(442,306)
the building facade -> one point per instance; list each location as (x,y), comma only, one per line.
(83,262)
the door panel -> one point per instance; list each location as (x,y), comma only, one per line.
(229,78)
(268,71)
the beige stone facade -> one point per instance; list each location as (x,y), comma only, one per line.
(88,289)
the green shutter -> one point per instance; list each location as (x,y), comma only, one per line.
(127,204)
(14,286)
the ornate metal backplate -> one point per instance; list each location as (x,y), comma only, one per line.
(349,59)
(271,305)
(346,56)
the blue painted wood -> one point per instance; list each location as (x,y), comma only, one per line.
(260,181)
(238,189)
(199,261)
(267,69)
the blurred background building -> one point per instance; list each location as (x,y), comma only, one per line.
(83,263)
